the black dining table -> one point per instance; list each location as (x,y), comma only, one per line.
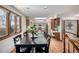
(39,41)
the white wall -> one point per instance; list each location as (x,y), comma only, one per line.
(74,28)
(6,45)
(49,26)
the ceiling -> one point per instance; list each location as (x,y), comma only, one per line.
(48,10)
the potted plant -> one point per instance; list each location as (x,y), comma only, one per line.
(33,30)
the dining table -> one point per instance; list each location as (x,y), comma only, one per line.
(39,41)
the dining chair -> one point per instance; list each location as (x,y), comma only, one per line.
(44,49)
(48,38)
(17,40)
(41,49)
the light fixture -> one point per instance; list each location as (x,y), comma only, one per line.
(27,8)
(40,18)
(45,7)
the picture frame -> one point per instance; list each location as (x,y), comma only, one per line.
(69,25)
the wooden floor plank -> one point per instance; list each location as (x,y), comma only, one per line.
(56,46)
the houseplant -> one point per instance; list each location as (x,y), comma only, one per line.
(33,30)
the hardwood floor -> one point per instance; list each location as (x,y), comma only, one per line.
(13,51)
(56,46)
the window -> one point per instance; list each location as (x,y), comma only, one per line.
(3,23)
(12,23)
(18,24)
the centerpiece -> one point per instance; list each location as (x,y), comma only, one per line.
(33,30)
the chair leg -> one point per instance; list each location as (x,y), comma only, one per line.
(46,49)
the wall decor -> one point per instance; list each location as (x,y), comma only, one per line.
(69,25)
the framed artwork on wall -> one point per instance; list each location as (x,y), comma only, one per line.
(70,25)
(3,23)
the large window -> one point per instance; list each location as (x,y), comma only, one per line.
(10,23)
(3,23)
(18,23)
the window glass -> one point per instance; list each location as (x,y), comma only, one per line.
(18,24)
(3,23)
(12,27)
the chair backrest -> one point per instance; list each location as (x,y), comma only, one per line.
(17,39)
(24,34)
(45,35)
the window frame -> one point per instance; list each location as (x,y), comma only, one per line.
(19,23)
(6,22)
(9,34)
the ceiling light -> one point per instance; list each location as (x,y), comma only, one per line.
(40,18)
(28,8)
(45,7)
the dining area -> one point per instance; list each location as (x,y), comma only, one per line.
(32,44)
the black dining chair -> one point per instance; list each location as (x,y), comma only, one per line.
(44,49)
(17,40)
(47,36)
(41,49)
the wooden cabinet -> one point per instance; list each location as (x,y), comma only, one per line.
(77,28)
(57,35)
(54,23)
(27,22)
